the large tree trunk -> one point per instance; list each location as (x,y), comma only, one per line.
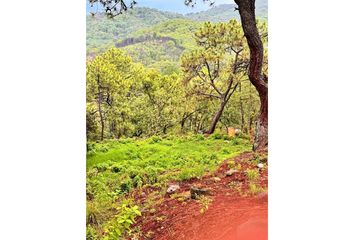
(216,117)
(248,20)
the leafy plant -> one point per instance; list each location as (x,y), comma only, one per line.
(121,224)
(252,174)
(254,189)
(205,202)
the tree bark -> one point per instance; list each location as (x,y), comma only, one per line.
(216,117)
(248,19)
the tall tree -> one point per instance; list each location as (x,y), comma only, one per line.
(246,9)
(216,68)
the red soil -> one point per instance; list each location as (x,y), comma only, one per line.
(232,214)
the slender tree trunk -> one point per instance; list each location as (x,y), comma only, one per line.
(100,113)
(248,19)
(242,111)
(216,117)
(99,100)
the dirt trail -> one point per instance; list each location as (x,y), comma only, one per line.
(232,219)
(232,214)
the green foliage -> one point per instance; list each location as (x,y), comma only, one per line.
(131,164)
(255,189)
(252,174)
(91,233)
(121,224)
(204,202)
(231,164)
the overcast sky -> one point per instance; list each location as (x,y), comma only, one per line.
(175,5)
(178,5)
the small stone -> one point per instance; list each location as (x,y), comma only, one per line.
(216,179)
(172,188)
(231,172)
(197,192)
(260,165)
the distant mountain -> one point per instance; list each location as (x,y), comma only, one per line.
(161,45)
(226,12)
(156,39)
(102,33)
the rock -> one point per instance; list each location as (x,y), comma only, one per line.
(172,188)
(231,172)
(197,192)
(216,179)
(260,165)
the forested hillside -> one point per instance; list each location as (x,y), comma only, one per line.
(102,33)
(144,27)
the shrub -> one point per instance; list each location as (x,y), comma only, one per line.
(227,137)
(226,151)
(199,137)
(231,164)
(155,139)
(216,136)
(91,233)
(126,186)
(101,167)
(234,141)
(121,224)
(254,189)
(90,147)
(116,168)
(252,174)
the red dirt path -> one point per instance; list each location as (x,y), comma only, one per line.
(233,214)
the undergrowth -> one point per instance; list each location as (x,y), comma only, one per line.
(116,167)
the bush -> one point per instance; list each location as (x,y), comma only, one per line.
(90,147)
(252,174)
(126,186)
(234,141)
(155,139)
(91,233)
(121,224)
(101,167)
(226,151)
(216,136)
(231,164)
(116,168)
(199,137)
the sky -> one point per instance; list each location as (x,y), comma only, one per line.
(176,5)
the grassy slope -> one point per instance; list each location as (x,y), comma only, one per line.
(115,168)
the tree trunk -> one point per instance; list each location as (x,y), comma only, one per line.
(101,114)
(242,112)
(216,117)
(99,100)
(248,20)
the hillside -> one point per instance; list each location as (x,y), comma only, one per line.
(102,33)
(161,46)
